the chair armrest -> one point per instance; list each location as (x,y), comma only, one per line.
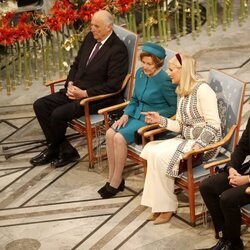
(95,98)
(146,128)
(216,163)
(154,130)
(100,97)
(51,84)
(152,133)
(222,142)
(55,82)
(113,108)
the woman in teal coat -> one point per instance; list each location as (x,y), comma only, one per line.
(153,91)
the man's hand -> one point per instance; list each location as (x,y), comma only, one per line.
(232,173)
(74,93)
(236,179)
(121,122)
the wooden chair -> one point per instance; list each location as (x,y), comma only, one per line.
(134,149)
(88,125)
(230,94)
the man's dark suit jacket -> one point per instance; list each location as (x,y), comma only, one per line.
(241,151)
(104,73)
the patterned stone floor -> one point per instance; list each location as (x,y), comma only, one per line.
(49,209)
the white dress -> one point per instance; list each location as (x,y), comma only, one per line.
(198,122)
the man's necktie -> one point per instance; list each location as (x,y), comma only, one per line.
(97,47)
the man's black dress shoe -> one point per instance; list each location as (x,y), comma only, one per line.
(45,157)
(111,191)
(228,245)
(67,154)
(64,159)
(218,245)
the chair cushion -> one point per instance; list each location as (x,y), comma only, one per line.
(135,148)
(199,172)
(94,119)
(246,209)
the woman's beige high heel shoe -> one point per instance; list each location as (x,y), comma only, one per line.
(163,218)
(153,216)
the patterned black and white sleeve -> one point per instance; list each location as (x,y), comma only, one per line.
(172,125)
(211,132)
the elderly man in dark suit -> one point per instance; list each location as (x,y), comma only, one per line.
(99,68)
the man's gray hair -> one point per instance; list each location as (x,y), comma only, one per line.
(106,16)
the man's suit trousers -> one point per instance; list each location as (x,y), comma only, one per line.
(223,202)
(53,112)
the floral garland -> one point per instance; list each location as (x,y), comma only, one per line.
(28,38)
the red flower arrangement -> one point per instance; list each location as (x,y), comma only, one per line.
(89,8)
(64,12)
(53,23)
(9,34)
(24,31)
(7,19)
(124,6)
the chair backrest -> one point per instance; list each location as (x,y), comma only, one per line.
(169,54)
(130,40)
(230,93)
(245,214)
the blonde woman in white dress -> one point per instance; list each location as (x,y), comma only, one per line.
(197,124)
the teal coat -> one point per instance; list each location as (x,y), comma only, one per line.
(156,93)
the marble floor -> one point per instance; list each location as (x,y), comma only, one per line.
(51,209)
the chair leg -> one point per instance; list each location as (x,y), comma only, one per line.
(92,134)
(191,198)
(191,194)
(89,138)
(144,162)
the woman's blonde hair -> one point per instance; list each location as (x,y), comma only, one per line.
(188,74)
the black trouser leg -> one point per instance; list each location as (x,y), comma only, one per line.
(61,116)
(211,190)
(53,113)
(223,202)
(230,202)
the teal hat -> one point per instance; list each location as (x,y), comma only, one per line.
(154,49)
